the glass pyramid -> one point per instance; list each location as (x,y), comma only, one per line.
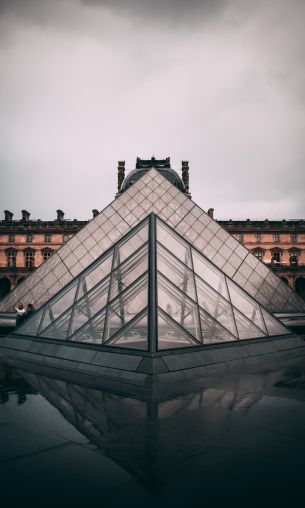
(152,193)
(152,291)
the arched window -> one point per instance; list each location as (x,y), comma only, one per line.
(5,286)
(300,286)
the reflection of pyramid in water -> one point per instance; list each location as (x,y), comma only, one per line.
(152,291)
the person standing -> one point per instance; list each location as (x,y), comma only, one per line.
(21,314)
(29,310)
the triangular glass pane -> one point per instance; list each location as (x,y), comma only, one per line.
(31,325)
(58,305)
(177,272)
(215,305)
(89,305)
(93,331)
(210,274)
(59,328)
(129,271)
(126,306)
(134,336)
(213,332)
(178,306)
(246,329)
(274,327)
(131,244)
(170,335)
(94,274)
(246,305)
(173,243)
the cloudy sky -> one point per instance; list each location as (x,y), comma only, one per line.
(85,83)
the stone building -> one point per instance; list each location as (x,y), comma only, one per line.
(280,244)
(25,243)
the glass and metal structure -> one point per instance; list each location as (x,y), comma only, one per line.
(153,193)
(152,291)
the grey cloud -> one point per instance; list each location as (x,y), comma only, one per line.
(87,83)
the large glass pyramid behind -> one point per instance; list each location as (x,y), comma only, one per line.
(152,291)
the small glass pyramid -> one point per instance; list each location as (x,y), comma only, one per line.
(152,291)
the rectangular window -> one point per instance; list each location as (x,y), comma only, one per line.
(294,238)
(29,238)
(11,238)
(46,255)
(29,260)
(11,259)
(240,238)
(276,237)
(258,238)
(47,238)
(277,257)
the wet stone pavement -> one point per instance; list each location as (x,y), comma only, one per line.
(237,439)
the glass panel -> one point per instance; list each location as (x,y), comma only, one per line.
(177,272)
(31,326)
(126,306)
(133,336)
(129,271)
(58,305)
(173,243)
(93,331)
(215,305)
(246,305)
(170,335)
(178,306)
(274,327)
(246,329)
(59,329)
(89,305)
(210,274)
(213,332)
(94,275)
(129,246)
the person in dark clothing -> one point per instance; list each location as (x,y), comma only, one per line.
(29,310)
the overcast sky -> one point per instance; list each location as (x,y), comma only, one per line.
(85,83)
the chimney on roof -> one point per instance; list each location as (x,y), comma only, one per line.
(25,216)
(185,176)
(211,213)
(95,212)
(121,174)
(60,215)
(8,216)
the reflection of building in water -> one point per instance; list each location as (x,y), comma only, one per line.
(141,435)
